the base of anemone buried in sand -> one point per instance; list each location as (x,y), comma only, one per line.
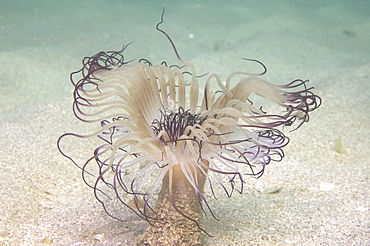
(175,207)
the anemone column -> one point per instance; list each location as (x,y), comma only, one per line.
(179,209)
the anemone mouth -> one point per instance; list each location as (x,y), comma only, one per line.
(172,125)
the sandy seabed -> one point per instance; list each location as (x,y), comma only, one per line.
(318,194)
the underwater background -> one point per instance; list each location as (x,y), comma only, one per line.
(318,194)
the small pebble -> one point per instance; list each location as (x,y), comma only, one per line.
(99,237)
(362,209)
(191,36)
(326,186)
(47,240)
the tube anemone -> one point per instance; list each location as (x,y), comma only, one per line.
(163,139)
